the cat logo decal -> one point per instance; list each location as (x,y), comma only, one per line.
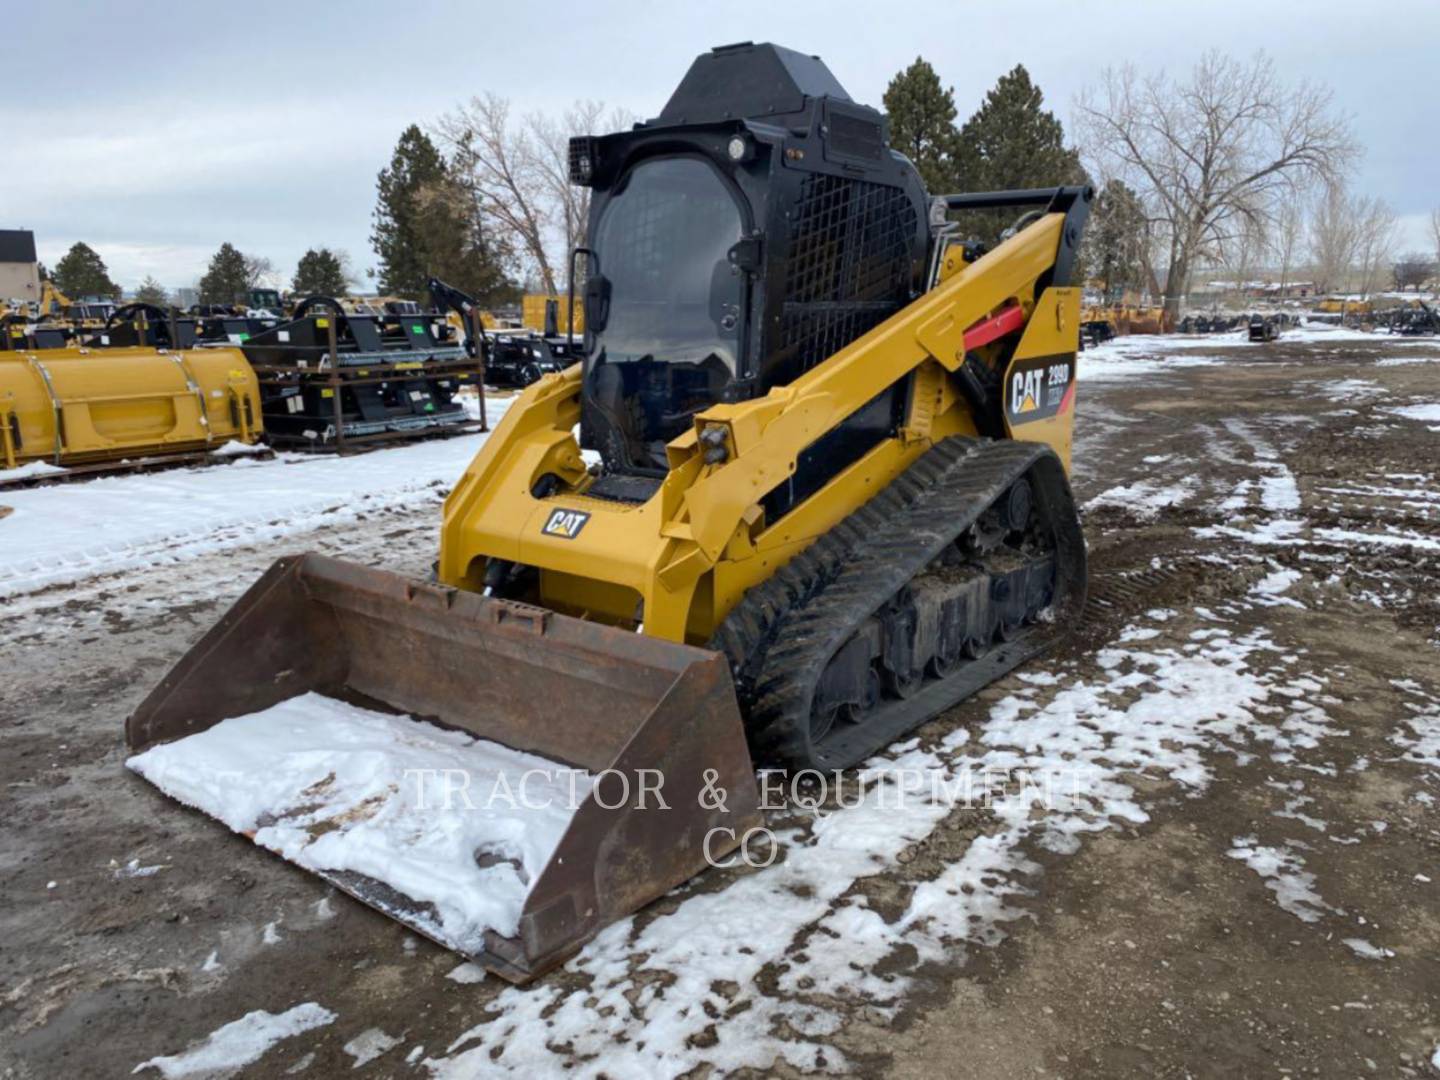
(565,524)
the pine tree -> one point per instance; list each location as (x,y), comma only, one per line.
(82,273)
(457,248)
(415,165)
(152,292)
(1115,239)
(227,278)
(321,272)
(1011,142)
(922,123)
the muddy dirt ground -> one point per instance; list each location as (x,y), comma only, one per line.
(1282,918)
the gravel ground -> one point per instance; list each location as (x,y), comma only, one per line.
(1251,888)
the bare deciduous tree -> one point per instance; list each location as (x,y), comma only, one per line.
(518,174)
(1241,250)
(1212,152)
(497,161)
(258,270)
(1435,229)
(1332,237)
(1375,242)
(1411,271)
(1287,237)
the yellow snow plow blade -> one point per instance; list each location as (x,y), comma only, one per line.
(652,726)
(71,407)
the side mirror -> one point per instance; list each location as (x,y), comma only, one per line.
(597,302)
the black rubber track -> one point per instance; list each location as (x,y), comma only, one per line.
(780,637)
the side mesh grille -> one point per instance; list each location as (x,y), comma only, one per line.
(849,266)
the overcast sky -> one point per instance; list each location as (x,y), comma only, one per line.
(156,131)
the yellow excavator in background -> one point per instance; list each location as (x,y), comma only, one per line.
(826,500)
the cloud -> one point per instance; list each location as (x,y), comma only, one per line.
(269,134)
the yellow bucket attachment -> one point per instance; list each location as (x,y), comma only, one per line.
(69,407)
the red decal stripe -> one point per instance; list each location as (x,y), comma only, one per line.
(997,326)
(1068,400)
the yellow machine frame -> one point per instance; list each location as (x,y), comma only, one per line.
(678,563)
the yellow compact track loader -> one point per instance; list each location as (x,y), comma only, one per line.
(826,500)
(126,395)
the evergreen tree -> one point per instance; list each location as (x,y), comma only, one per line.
(415,166)
(427,223)
(82,273)
(922,123)
(321,272)
(43,271)
(1115,239)
(227,278)
(1011,142)
(458,250)
(152,292)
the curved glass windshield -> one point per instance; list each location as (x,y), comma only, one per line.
(670,340)
(663,243)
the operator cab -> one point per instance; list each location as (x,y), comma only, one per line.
(736,241)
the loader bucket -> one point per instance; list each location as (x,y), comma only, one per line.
(578,695)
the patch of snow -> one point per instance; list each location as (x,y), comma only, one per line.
(212,962)
(33,468)
(1351,389)
(1144,498)
(72,531)
(1401,361)
(133,869)
(1278,491)
(1428,412)
(1391,538)
(1419,739)
(1361,947)
(369,1045)
(1270,590)
(467,974)
(323,910)
(235,448)
(271,936)
(1282,871)
(241,1042)
(380,780)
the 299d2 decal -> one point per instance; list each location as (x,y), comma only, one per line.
(1039,388)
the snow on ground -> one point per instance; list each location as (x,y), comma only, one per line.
(1361,947)
(71,531)
(1270,590)
(1420,737)
(1428,412)
(369,1045)
(1282,869)
(1351,389)
(449,820)
(239,1043)
(1145,498)
(1047,771)
(1138,354)
(28,470)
